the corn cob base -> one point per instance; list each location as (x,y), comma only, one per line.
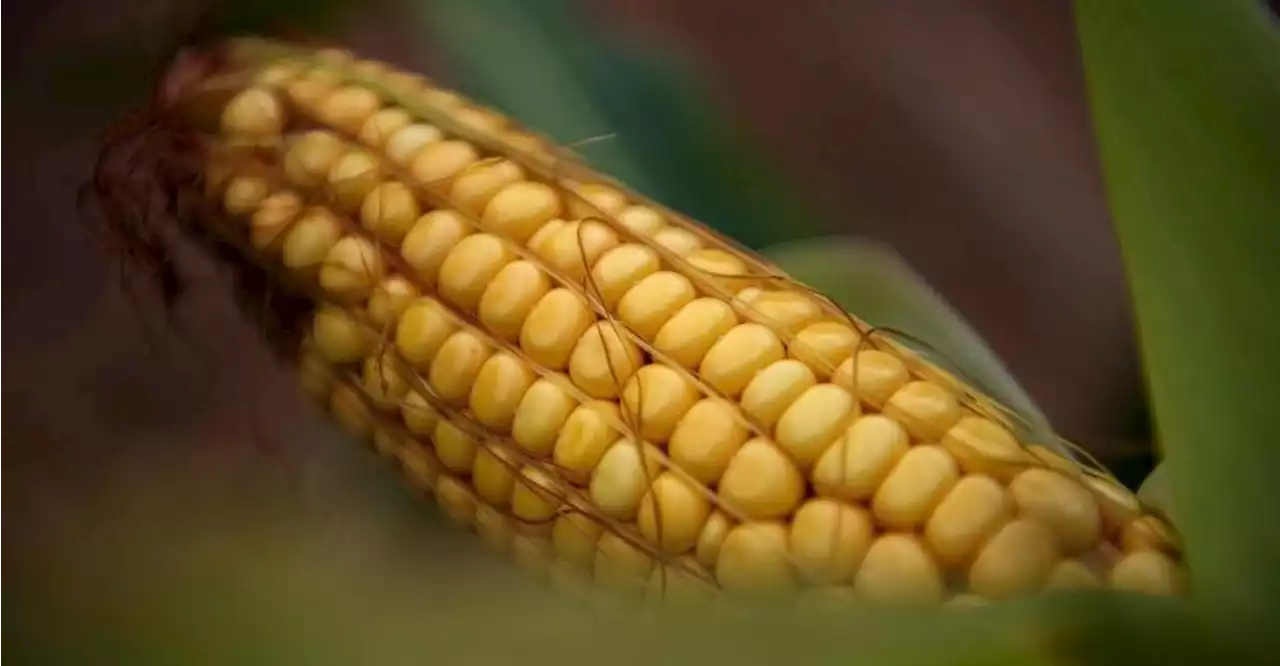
(617,396)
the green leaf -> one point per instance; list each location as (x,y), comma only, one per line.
(1185,95)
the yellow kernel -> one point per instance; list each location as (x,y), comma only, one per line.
(544,235)
(351,412)
(498,389)
(309,159)
(738,355)
(689,334)
(455,449)
(603,360)
(678,240)
(383,381)
(469,268)
(1146,533)
(405,145)
(541,416)
(975,509)
(1016,561)
(511,296)
(536,496)
(520,209)
(554,327)
(390,211)
(380,127)
(390,299)
(574,537)
(648,305)
(1062,503)
(854,467)
(436,165)
(828,540)
(711,538)
(307,92)
(1147,572)
(418,414)
(776,388)
(1117,504)
(479,119)
(706,439)
(753,561)
(1072,575)
(761,482)
(898,568)
(272,219)
(422,331)
(919,481)
(672,513)
(983,446)
(254,113)
(352,268)
(641,220)
(457,502)
(1051,458)
(785,311)
(348,108)
(621,478)
(352,179)
(491,474)
(455,367)
(477,184)
(621,566)
(876,375)
(278,75)
(339,337)
(309,240)
(620,269)
(244,194)
(586,435)
(717,265)
(574,248)
(493,528)
(816,419)
(599,199)
(657,397)
(926,409)
(823,346)
(430,240)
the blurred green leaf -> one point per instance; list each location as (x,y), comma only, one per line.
(1185,95)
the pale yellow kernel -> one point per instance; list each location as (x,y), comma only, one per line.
(776,388)
(970,514)
(673,512)
(541,416)
(761,482)
(824,346)
(1119,506)
(1147,533)
(244,194)
(604,360)
(828,540)
(351,412)
(455,367)
(470,266)
(1051,458)
(853,467)
(641,220)
(352,269)
(492,475)
(544,235)
(309,240)
(352,179)
(309,90)
(536,496)
(648,305)
(390,211)
(418,414)
(711,538)
(574,537)
(479,119)
(476,186)
(405,145)
(919,481)
(422,331)
(817,418)
(678,240)
(339,337)
(430,240)
(754,561)
(498,390)
(455,449)
(457,501)
(620,566)
(898,568)
(272,219)
(926,409)
(690,333)
(493,528)
(620,269)
(876,375)
(983,446)
(520,209)
(511,296)
(1072,575)
(706,439)
(381,126)
(585,436)
(254,113)
(554,327)
(1016,561)
(390,299)
(718,266)
(595,200)
(1061,502)
(1147,572)
(383,381)
(785,311)
(278,75)
(310,157)
(621,478)
(738,355)
(656,397)
(576,246)
(348,108)
(437,164)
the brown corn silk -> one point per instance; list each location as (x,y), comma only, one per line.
(617,396)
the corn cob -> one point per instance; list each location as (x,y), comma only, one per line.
(609,391)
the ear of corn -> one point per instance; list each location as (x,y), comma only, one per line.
(614,394)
